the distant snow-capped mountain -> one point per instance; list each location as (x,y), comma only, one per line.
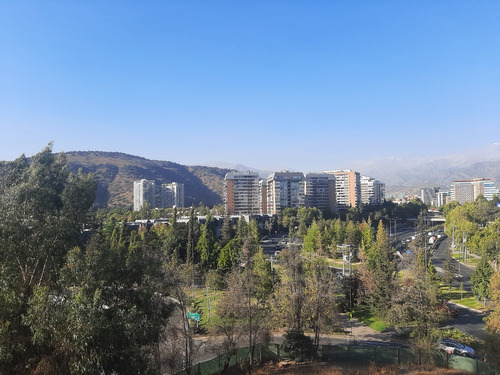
(440,171)
(416,171)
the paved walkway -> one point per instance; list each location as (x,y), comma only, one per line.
(357,333)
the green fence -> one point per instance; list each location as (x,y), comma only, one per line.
(347,353)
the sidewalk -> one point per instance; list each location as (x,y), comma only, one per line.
(361,333)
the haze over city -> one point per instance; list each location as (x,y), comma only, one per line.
(278,84)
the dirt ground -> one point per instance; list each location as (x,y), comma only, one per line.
(323,368)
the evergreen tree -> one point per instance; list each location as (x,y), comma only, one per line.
(207,246)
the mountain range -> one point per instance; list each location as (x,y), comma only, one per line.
(115,173)
(439,171)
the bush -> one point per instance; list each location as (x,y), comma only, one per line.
(299,346)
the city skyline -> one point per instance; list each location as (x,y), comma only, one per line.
(275,85)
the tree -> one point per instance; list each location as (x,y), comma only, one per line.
(493,323)
(312,238)
(321,291)
(378,278)
(229,256)
(367,243)
(242,306)
(289,298)
(227,231)
(480,279)
(43,209)
(299,346)
(206,246)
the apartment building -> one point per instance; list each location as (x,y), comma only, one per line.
(468,190)
(442,198)
(172,195)
(372,191)
(242,194)
(347,187)
(319,190)
(429,195)
(144,192)
(284,189)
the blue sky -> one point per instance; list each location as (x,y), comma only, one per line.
(306,85)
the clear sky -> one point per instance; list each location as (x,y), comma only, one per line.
(308,85)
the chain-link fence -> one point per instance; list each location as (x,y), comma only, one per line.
(344,354)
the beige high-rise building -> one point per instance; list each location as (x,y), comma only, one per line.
(242,193)
(348,188)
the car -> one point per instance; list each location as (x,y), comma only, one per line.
(449,309)
(454,347)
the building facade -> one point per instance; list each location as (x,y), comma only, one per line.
(319,191)
(468,190)
(429,195)
(372,191)
(442,198)
(144,192)
(242,193)
(347,187)
(172,195)
(284,190)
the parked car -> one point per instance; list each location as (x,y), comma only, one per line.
(454,347)
(449,309)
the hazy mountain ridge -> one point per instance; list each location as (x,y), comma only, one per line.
(472,163)
(115,173)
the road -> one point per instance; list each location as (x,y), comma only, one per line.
(468,320)
(438,259)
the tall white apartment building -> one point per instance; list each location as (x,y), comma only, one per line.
(242,193)
(429,195)
(468,190)
(372,191)
(144,192)
(284,190)
(442,198)
(172,195)
(319,191)
(347,187)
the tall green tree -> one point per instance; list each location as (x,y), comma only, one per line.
(480,279)
(207,244)
(43,210)
(379,280)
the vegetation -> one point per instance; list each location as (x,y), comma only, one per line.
(81,293)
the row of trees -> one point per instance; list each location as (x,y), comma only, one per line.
(475,228)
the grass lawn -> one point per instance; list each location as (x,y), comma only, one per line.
(366,317)
(466,298)
(201,306)
(471,261)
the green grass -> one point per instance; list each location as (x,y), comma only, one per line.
(367,317)
(465,298)
(471,261)
(202,306)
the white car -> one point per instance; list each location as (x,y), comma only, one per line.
(453,347)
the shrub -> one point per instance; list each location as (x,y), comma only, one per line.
(299,346)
